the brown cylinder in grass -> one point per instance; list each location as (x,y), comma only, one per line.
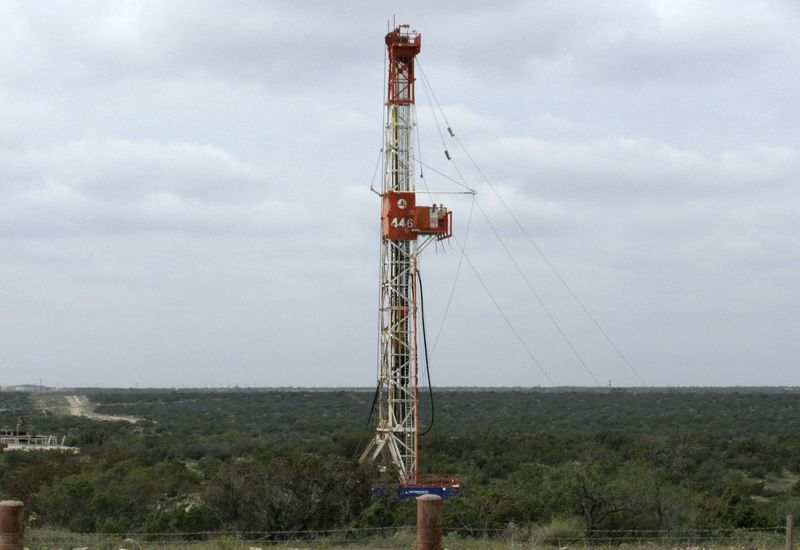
(429,522)
(12,525)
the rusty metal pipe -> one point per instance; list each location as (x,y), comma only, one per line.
(12,525)
(429,522)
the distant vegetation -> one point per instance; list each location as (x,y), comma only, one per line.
(572,461)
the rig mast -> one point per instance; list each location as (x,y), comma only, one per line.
(406,229)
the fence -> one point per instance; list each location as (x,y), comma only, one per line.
(426,535)
(405,537)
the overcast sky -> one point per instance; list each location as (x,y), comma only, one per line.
(184,190)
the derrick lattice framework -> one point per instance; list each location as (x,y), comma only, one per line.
(396,435)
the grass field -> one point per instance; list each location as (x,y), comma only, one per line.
(406,539)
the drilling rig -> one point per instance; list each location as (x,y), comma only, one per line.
(406,229)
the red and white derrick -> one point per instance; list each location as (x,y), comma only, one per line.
(406,228)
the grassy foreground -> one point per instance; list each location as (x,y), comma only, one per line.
(405,538)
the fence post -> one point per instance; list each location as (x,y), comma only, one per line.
(429,522)
(12,525)
(790,532)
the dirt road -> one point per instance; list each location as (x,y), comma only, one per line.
(79,405)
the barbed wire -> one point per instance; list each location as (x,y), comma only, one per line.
(255,532)
(594,534)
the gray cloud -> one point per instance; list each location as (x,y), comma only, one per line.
(184,189)
(120,186)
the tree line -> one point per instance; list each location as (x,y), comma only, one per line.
(279,460)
